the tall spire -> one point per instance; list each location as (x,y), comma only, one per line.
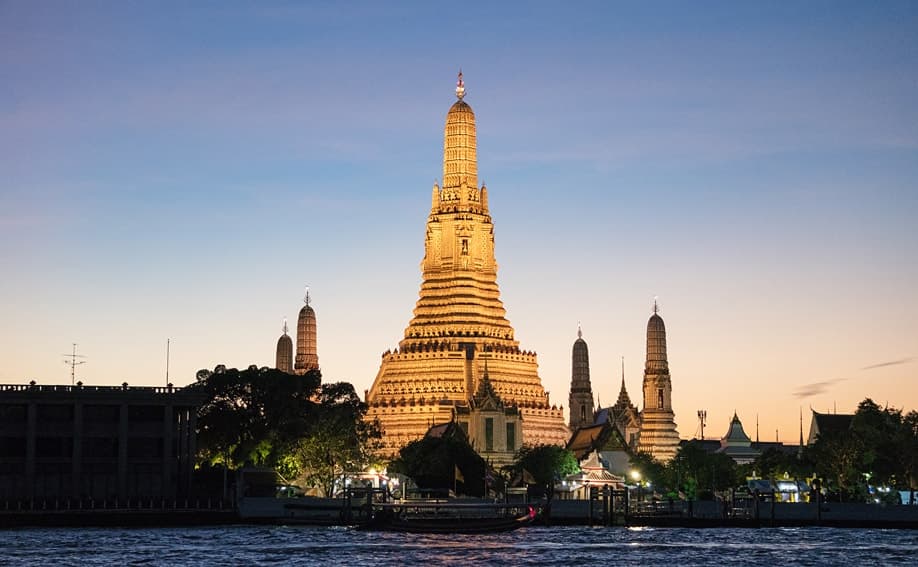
(307,357)
(624,400)
(283,359)
(800,447)
(658,434)
(460,161)
(459,319)
(580,402)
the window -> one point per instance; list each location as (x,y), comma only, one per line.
(511,436)
(582,413)
(489,434)
(660,398)
(465,246)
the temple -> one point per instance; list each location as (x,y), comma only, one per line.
(283,360)
(459,325)
(307,357)
(658,435)
(580,401)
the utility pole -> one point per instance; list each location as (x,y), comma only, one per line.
(702,420)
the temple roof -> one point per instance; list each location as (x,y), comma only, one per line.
(601,436)
(735,434)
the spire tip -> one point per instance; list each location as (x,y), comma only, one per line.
(460,86)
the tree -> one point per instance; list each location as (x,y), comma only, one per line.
(698,473)
(338,438)
(252,416)
(838,456)
(774,463)
(546,463)
(907,448)
(652,471)
(432,462)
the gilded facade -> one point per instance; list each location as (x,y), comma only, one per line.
(283,359)
(307,357)
(658,435)
(459,324)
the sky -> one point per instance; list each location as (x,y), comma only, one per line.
(182,170)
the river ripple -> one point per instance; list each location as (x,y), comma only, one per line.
(255,545)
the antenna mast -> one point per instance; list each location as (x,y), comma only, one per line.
(702,421)
(73,360)
(167,361)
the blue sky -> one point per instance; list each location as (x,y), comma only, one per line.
(183,170)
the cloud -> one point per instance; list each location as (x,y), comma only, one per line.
(815,388)
(889,363)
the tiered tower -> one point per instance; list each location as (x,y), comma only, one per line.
(658,435)
(625,415)
(306,356)
(284,358)
(459,321)
(580,401)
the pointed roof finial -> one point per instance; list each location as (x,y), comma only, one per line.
(579,331)
(285,325)
(306,299)
(623,372)
(656,308)
(460,86)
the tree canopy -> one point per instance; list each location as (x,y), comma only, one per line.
(546,464)
(292,423)
(433,462)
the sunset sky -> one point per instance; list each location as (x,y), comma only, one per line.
(183,170)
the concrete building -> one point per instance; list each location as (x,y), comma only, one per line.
(96,442)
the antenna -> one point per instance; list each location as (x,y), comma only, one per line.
(702,421)
(167,361)
(72,360)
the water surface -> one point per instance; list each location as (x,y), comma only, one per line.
(258,545)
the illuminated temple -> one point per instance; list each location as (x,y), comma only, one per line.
(459,332)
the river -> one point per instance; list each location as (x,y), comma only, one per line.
(270,545)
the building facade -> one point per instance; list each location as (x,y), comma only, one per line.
(96,442)
(459,322)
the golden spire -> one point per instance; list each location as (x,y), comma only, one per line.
(460,161)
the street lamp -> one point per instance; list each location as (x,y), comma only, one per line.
(636,475)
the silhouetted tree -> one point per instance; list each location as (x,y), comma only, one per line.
(338,439)
(432,462)
(546,464)
(265,417)
(652,471)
